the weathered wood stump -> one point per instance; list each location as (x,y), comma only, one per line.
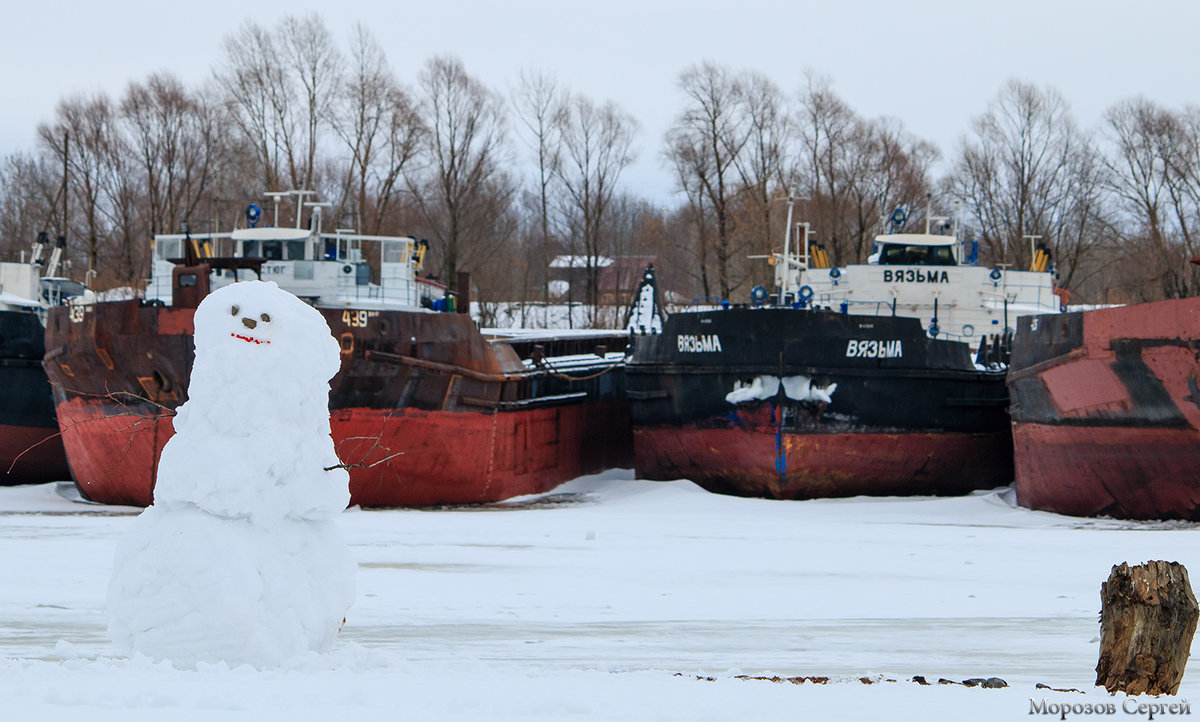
(1147,618)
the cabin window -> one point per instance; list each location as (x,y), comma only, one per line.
(395,252)
(168,248)
(272,250)
(55,290)
(940,256)
(295,250)
(188,279)
(250,249)
(901,255)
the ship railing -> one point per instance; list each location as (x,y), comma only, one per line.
(609,362)
(1022,286)
(575,362)
(834,301)
(397,293)
(701,303)
(1025,294)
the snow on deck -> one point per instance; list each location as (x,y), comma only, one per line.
(616,599)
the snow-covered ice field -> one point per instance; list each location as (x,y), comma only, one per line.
(615,599)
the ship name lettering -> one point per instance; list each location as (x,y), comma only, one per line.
(687,343)
(874,348)
(915,275)
(76,313)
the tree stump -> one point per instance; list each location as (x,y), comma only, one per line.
(1147,618)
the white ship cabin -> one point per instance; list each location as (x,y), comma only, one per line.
(326,269)
(33,283)
(926,275)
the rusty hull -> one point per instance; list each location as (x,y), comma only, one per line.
(424,410)
(747,462)
(1106,411)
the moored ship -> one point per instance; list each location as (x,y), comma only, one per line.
(426,409)
(803,393)
(929,275)
(1106,411)
(30,448)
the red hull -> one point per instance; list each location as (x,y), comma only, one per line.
(743,462)
(425,410)
(1128,473)
(1106,411)
(30,455)
(405,457)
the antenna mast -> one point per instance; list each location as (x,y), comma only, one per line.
(785,286)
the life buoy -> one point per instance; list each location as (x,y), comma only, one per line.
(758,294)
(806,292)
(995,274)
(835,273)
(347,268)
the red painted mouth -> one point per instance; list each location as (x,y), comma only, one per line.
(247,339)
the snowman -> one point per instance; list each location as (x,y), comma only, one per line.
(239,559)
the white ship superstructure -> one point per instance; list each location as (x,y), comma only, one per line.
(927,275)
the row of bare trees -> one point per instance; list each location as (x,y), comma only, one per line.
(502,183)
(1118,207)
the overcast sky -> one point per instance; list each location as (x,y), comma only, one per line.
(934,64)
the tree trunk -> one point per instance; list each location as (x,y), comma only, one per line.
(1147,618)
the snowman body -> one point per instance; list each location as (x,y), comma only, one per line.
(239,559)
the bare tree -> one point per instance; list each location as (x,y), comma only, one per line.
(1013,176)
(1183,161)
(703,144)
(378,123)
(122,209)
(29,187)
(886,168)
(1152,173)
(465,152)
(823,127)
(542,111)
(252,75)
(597,143)
(761,164)
(173,134)
(1087,239)
(853,171)
(695,213)
(79,138)
(315,63)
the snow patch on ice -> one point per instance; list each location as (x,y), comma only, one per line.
(796,388)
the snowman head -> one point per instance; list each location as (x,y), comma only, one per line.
(256,327)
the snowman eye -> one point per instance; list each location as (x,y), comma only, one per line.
(266,317)
(234,311)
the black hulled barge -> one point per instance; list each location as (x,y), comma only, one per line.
(801,403)
(873,381)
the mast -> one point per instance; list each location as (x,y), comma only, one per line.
(785,286)
(62,235)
